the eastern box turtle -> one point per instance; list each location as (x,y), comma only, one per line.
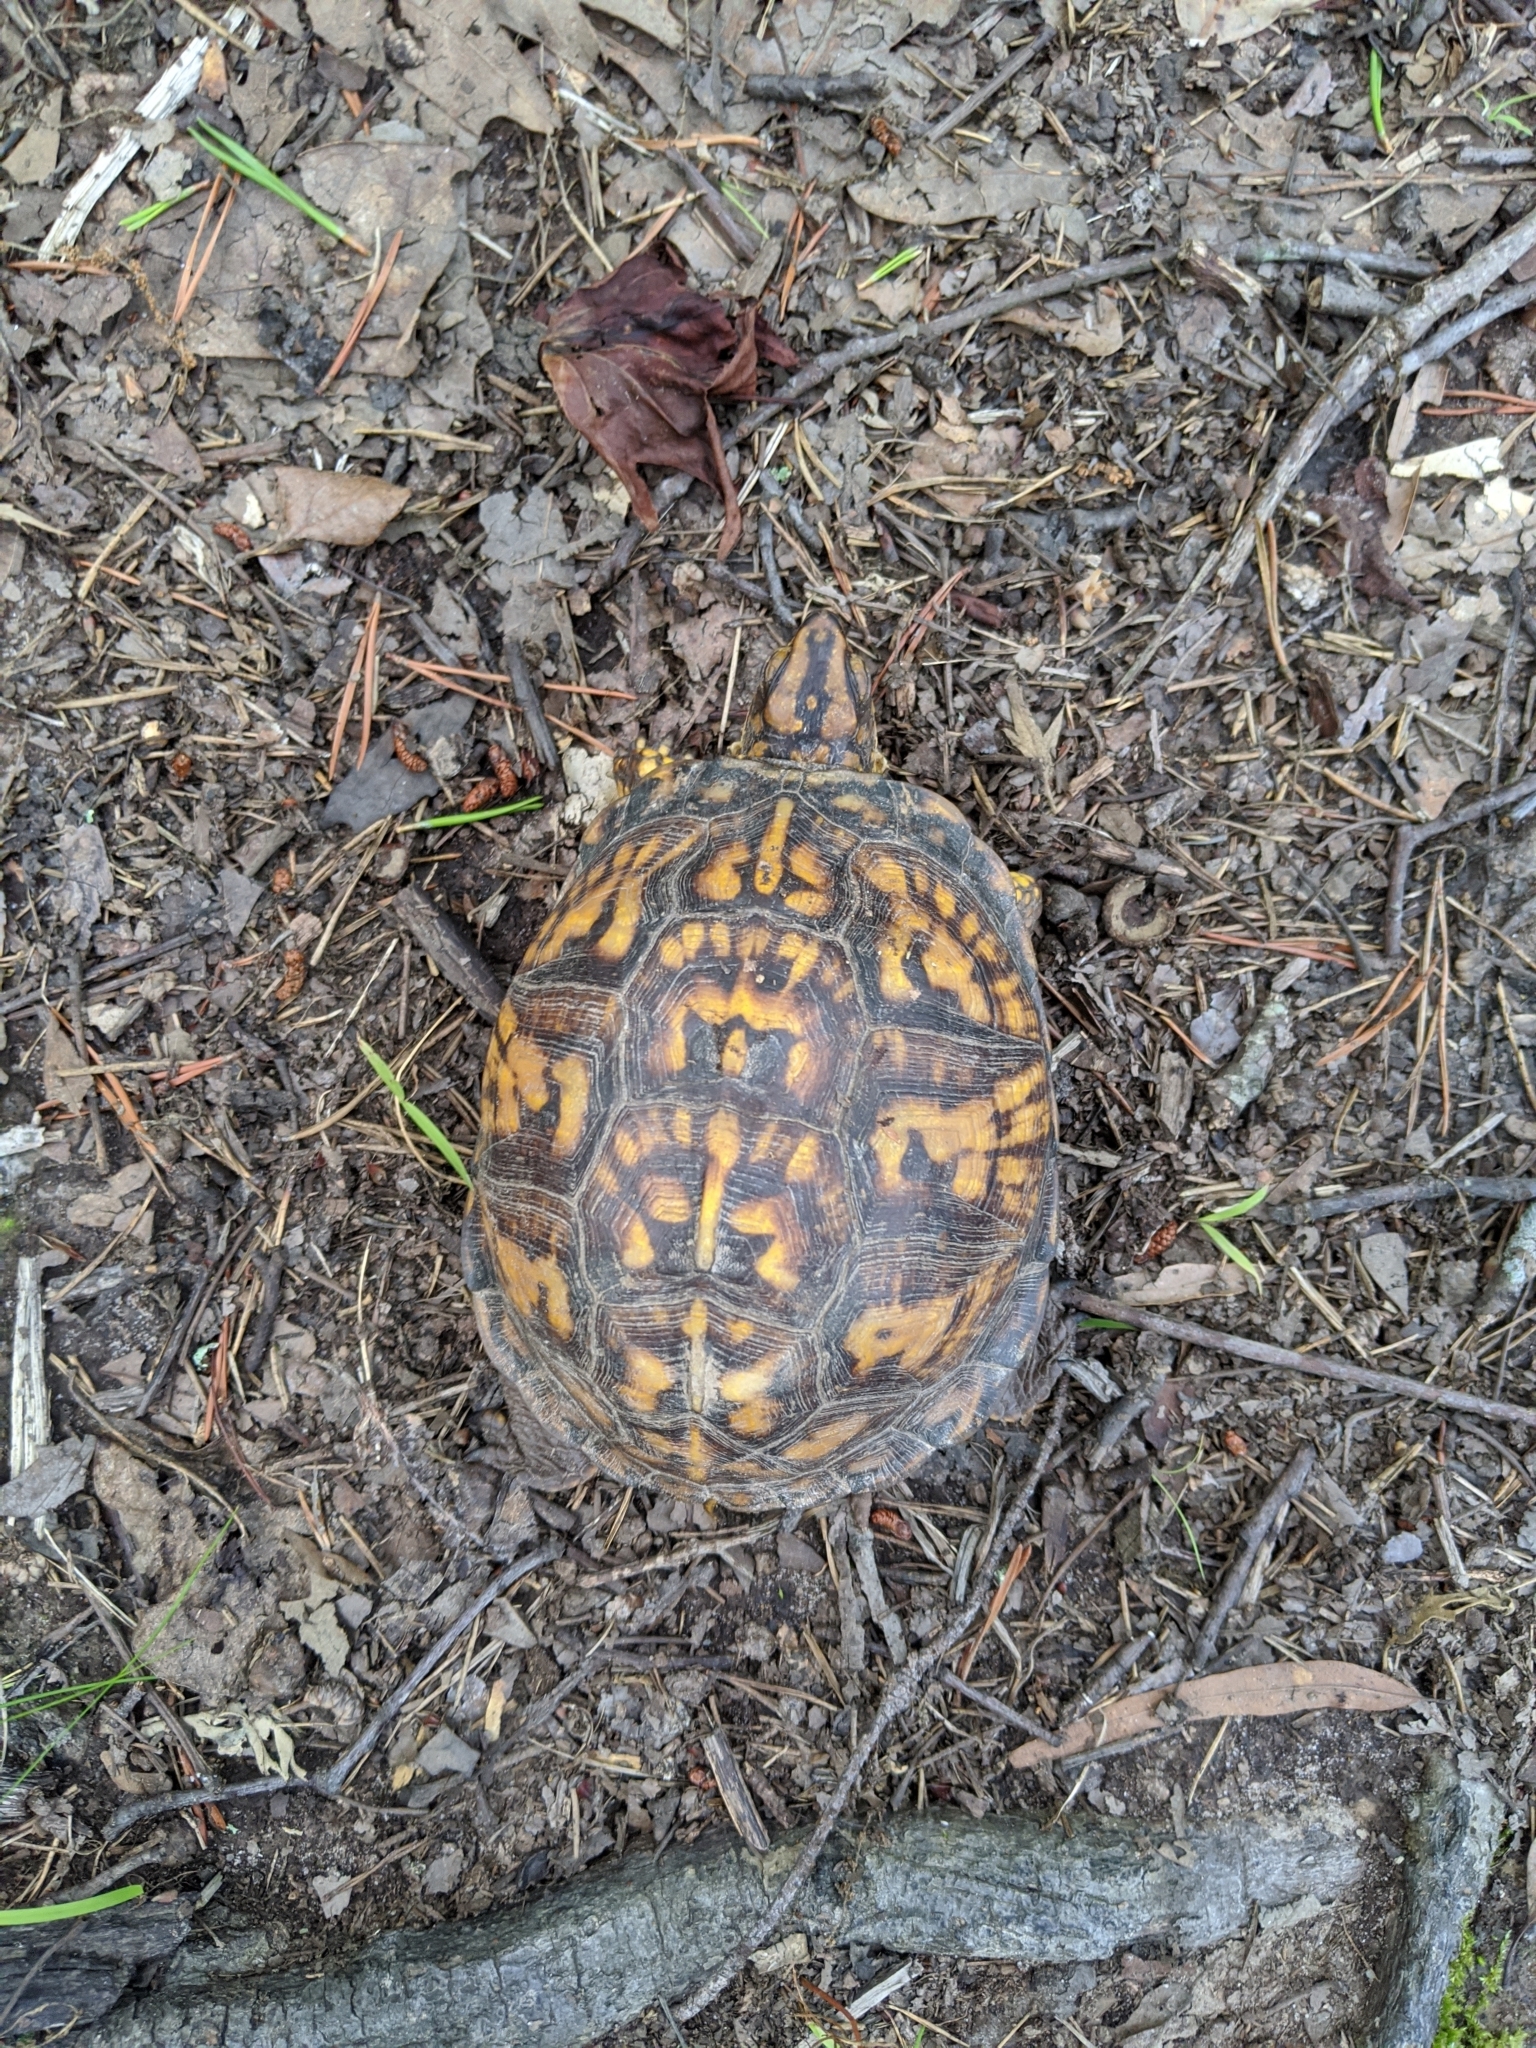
(765,1192)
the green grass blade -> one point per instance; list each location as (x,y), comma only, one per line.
(1100,1323)
(522,803)
(418,1117)
(1235,1209)
(1229,1250)
(1378,119)
(68,1909)
(132,222)
(234,156)
(1190,1537)
(894,263)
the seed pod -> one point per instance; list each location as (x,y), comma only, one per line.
(293,976)
(1158,1242)
(405,754)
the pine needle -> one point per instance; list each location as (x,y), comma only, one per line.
(234,156)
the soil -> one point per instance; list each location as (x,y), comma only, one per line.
(281,1515)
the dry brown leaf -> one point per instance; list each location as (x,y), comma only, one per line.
(1170,1285)
(340,508)
(1261,1691)
(635,361)
(1230,21)
(1097,331)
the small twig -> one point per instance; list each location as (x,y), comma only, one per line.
(1229,1592)
(1410,838)
(958,116)
(329,1784)
(528,703)
(1106,1679)
(1317,1363)
(998,1709)
(77,1020)
(450,949)
(901,1690)
(782,609)
(1506,675)
(1501,1188)
(822,91)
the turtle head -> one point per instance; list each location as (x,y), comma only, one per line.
(815,704)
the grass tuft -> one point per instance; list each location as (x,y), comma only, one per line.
(418,1117)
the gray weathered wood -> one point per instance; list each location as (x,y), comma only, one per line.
(594,1954)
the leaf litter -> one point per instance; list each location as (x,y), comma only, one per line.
(1014,507)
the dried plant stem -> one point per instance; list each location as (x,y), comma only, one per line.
(1230,1591)
(901,1690)
(1314,1362)
(364,312)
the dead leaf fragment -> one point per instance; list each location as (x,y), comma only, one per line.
(343,510)
(1231,21)
(635,361)
(87,876)
(1096,331)
(1261,1690)
(1170,1285)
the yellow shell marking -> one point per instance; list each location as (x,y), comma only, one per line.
(769,871)
(645,1380)
(534,1285)
(957,953)
(992,1142)
(909,1335)
(722,1147)
(616,886)
(571,1077)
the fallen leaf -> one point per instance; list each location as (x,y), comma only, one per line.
(1231,21)
(342,509)
(87,876)
(37,154)
(1261,1691)
(1311,96)
(334,1893)
(63,1081)
(1096,332)
(913,193)
(1471,461)
(635,361)
(1427,388)
(55,1473)
(1173,1284)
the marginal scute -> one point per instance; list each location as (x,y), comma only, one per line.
(765,1192)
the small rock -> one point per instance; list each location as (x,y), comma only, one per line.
(446,1752)
(443,1871)
(1384,1256)
(334,1893)
(796,1555)
(1403,1548)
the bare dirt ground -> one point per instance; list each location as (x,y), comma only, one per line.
(302,1469)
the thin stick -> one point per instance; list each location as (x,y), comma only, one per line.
(370,676)
(901,1690)
(346,705)
(1317,1363)
(1411,837)
(364,312)
(1502,1188)
(1235,1577)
